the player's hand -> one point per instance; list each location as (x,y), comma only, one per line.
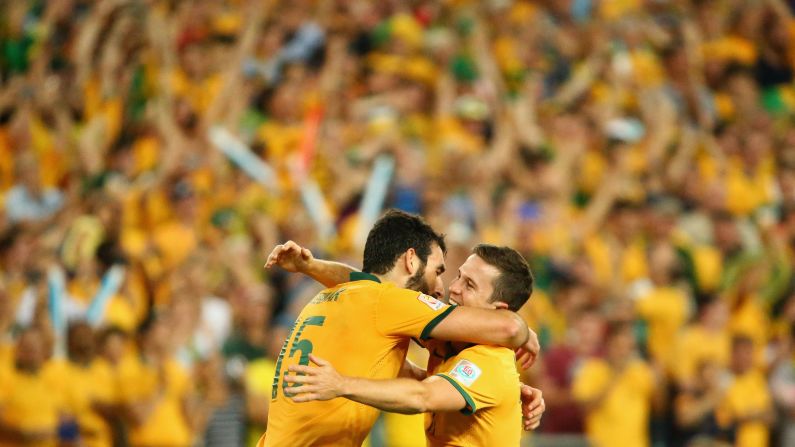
(533,407)
(291,257)
(527,354)
(321,382)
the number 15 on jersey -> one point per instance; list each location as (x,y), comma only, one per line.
(297,344)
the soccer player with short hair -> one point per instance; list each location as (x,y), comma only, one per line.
(365,326)
(472,396)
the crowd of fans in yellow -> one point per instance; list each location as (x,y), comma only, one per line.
(639,153)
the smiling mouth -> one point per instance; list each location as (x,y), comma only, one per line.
(453,301)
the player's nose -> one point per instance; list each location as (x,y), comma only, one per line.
(438,289)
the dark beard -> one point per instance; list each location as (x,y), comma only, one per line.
(417,281)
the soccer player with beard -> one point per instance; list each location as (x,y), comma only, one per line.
(364,326)
(472,395)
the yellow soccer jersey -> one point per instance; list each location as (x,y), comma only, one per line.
(32,402)
(363,328)
(622,416)
(86,385)
(486,377)
(407,430)
(166,424)
(695,345)
(747,395)
(666,311)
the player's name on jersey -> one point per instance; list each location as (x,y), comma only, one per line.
(325,297)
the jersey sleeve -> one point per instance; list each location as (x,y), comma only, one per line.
(407,313)
(479,378)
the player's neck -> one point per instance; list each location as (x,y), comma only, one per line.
(393,277)
(458,346)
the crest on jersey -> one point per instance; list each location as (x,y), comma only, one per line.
(430,301)
(466,372)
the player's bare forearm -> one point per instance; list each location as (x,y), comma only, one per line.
(482,326)
(324,383)
(329,273)
(490,327)
(295,258)
(406,396)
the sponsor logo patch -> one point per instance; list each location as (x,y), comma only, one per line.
(466,372)
(430,301)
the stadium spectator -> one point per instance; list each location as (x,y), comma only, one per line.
(33,404)
(564,415)
(617,392)
(746,408)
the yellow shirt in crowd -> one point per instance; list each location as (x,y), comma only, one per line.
(32,402)
(87,385)
(259,380)
(605,256)
(175,242)
(622,417)
(751,320)
(747,191)
(747,395)
(708,262)
(696,345)
(665,309)
(6,355)
(166,425)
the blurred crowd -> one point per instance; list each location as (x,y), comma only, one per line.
(639,153)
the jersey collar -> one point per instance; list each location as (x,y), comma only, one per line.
(362,276)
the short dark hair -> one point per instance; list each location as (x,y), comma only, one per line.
(514,285)
(394,233)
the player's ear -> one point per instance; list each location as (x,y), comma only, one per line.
(499,305)
(411,261)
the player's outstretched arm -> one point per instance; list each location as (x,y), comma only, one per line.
(490,327)
(407,396)
(297,259)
